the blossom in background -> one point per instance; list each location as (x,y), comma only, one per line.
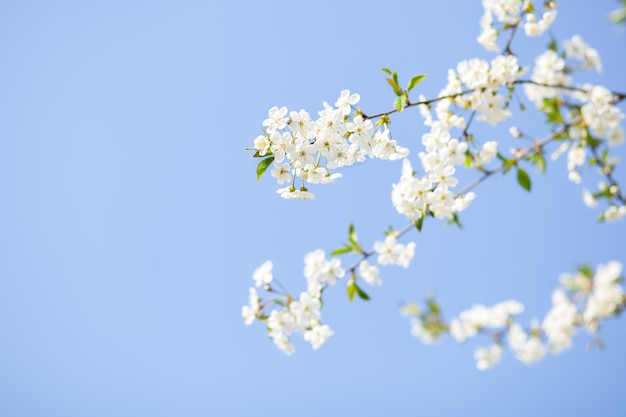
(582,300)
(250,311)
(390,252)
(263,274)
(370,273)
(487,357)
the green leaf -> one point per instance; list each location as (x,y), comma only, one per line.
(415,80)
(455,220)
(387,70)
(341,251)
(585,270)
(552,45)
(508,164)
(399,103)
(395,77)
(468,160)
(351,290)
(352,236)
(605,157)
(552,110)
(539,161)
(523,179)
(395,86)
(361,293)
(433,306)
(262,167)
(419,223)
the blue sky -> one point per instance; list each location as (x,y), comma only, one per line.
(131,219)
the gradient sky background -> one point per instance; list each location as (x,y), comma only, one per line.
(131,220)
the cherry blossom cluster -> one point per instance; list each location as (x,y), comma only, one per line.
(482,80)
(301,315)
(474,85)
(583,300)
(290,315)
(415,197)
(552,72)
(594,117)
(308,149)
(390,252)
(509,14)
(585,119)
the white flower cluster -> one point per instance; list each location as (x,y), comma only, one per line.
(370,273)
(576,158)
(509,13)
(479,317)
(414,197)
(549,70)
(599,115)
(552,70)
(303,315)
(484,79)
(582,301)
(614,213)
(390,252)
(576,48)
(602,292)
(310,149)
(611,214)
(527,346)
(534,27)
(558,324)
(300,315)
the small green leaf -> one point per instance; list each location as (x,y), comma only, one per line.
(605,157)
(351,290)
(433,306)
(395,86)
(468,160)
(341,251)
(540,162)
(361,293)
(585,270)
(352,236)
(387,70)
(552,45)
(552,110)
(508,164)
(415,80)
(399,103)
(455,220)
(419,223)
(262,167)
(523,179)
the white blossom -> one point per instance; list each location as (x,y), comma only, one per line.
(263,274)
(487,357)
